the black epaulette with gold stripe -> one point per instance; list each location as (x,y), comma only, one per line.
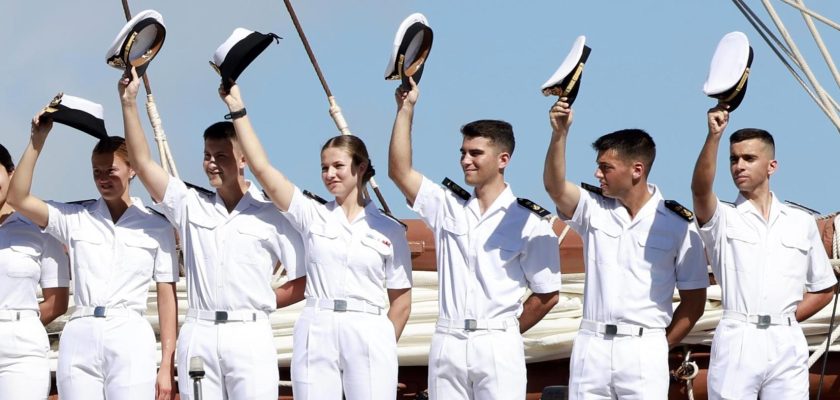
(84,203)
(592,188)
(533,207)
(199,189)
(314,196)
(678,209)
(156,212)
(457,190)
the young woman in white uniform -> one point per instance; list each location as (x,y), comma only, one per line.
(358,272)
(28,258)
(116,246)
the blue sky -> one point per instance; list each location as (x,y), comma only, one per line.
(647,68)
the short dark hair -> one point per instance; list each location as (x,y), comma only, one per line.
(498,132)
(630,144)
(753,133)
(220,130)
(6,159)
(112,145)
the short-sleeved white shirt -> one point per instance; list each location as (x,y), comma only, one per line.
(764,266)
(356,259)
(229,258)
(633,265)
(486,262)
(28,257)
(114,263)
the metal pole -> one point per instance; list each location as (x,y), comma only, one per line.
(335,110)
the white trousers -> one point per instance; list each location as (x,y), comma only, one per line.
(748,362)
(477,365)
(240,360)
(107,358)
(619,366)
(350,352)
(24,367)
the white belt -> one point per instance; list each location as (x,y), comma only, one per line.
(617,329)
(17,315)
(499,324)
(226,316)
(762,321)
(103,312)
(343,305)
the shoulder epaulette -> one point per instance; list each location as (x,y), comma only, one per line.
(265,196)
(82,202)
(728,203)
(389,216)
(592,188)
(156,212)
(533,207)
(199,189)
(314,196)
(678,209)
(801,207)
(457,190)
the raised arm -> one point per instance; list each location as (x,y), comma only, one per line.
(278,187)
(400,167)
(20,196)
(564,193)
(705,200)
(153,176)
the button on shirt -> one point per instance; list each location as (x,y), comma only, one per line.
(114,263)
(230,257)
(486,261)
(764,266)
(632,266)
(28,258)
(355,259)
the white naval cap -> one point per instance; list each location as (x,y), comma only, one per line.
(566,80)
(78,113)
(729,70)
(238,51)
(138,42)
(412,45)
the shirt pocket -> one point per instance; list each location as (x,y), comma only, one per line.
(504,247)
(139,257)
(794,257)
(744,247)
(27,258)
(604,241)
(323,243)
(659,254)
(453,227)
(201,221)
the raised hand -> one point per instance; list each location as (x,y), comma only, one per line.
(409,97)
(718,118)
(231,97)
(560,116)
(128,86)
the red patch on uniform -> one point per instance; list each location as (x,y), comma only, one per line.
(387,243)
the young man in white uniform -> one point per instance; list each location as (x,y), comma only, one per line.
(637,248)
(233,239)
(770,263)
(28,258)
(491,247)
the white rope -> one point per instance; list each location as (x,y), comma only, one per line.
(835,264)
(810,12)
(687,371)
(563,233)
(809,21)
(166,159)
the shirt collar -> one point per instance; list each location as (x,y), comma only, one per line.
(745,206)
(503,202)
(101,207)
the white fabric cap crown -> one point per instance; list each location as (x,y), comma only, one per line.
(412,45)
(138,42)
(566,79)
(78,113)
(238,51)
(729,63)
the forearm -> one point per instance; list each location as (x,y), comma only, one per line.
(813,302)
(535,307)
(139,153)
(400,162)
(168,318)
(554,172)
(703,179)
(399,310)
(290,292)
(691,308)
(19,194)
(54,304)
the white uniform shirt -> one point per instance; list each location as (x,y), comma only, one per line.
(28,258)
(632,266)
(485,262)
(230,257)
(764,267)
(356,259)
(114,263)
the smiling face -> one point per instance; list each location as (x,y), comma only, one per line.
(751,163)
(223,162)
(340,176)
(481,160)
(111,174)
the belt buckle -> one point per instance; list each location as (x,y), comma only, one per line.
(470,325)
(340,305)
(99,312)
(763,321)
(611,329)
(221,316)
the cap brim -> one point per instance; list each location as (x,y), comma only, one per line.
(138,42)
(735,95)
(412,45)
(566,80)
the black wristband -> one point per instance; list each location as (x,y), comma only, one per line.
(237,114)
